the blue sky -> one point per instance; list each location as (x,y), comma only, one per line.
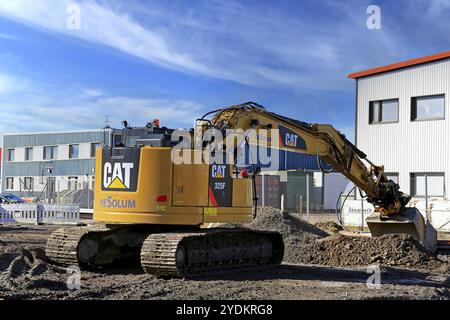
(174,60)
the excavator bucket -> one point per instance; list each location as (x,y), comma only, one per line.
(409,221)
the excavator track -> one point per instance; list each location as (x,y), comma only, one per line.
(93,246)
(191,253)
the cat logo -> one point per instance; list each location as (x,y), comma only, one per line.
(218,171)
(117,175)
(290,140)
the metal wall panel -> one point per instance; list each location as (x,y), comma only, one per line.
(72,167)
(60,168)
(297,161)
(407,146)
(287,160)
(29,140)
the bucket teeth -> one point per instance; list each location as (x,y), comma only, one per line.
(409,221)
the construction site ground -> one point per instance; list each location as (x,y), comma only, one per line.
(319,264)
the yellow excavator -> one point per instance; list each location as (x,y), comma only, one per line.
(150,207)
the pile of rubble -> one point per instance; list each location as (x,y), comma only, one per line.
(329,226)
(306,243)
(397,250)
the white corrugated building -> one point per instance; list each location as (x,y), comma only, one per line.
(403,122)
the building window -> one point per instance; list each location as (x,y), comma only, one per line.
(50,152)
(28,183)
(431,184)
(10,154)
(94,146)
(428,108)
(73,183)
(392,176)
(383,111)
(28,154)
(10,183)
(74,151)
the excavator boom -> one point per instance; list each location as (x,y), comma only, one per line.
(332,147)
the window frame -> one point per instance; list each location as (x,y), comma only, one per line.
(53,154)
(396,174)
(7,184)
(31,180)
(70,150)
(32,153)
(413,186)
(413,108)
(72,180)
(94,151)
(8,154)
(371,103)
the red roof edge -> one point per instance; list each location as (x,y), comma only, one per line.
(400,65)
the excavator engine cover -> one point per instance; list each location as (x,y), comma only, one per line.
(409,221)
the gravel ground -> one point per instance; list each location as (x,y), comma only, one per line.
(312,270)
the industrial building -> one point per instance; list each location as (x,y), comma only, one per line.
(59,167)
(402,122)
(43,165)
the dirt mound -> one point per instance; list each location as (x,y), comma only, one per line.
(271,219)
(297,234)
(306,243)
(389,250)
(329,226)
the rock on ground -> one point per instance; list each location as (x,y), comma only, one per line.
(329,226)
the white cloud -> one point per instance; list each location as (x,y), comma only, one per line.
(47,112)
(7,36)
(93,92)
(10,84)
(437,7)
(90,115)
(226,40)
(100,25)
(261,46)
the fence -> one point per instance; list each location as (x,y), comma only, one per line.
(428,196)
(61,190)
(39,213)
(300,192)
(79,192)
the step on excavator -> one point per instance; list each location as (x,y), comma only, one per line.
(150,208)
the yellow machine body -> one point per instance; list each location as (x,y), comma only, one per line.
(165,193)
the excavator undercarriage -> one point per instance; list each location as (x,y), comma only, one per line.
(173,253)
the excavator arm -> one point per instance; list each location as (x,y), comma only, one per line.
(333,148)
